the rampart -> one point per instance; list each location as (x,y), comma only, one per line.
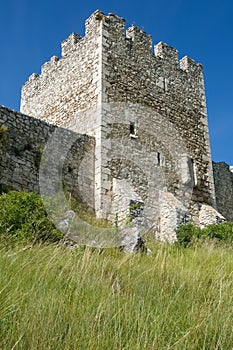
(22,141)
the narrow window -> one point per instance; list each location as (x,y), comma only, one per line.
(132,128)
(163,83)
(166,82)
(158,158)
(194,172)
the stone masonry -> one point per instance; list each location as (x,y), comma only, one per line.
(22,141)
(223,178)
(146,110)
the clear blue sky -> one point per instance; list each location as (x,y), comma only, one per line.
(31,32)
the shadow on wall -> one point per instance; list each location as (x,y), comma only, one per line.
(223,180)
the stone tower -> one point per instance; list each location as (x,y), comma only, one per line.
(147,112)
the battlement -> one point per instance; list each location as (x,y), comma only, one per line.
(167,53)
(50,65)
(138,36)
(33,77)
(69,44)
(91,22)
(114,29)
(99,17)
(190,66)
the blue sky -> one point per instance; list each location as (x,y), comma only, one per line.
(31,32)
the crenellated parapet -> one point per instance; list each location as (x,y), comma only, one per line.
(167,53)
(188,65)
(34,77)
(70,44)
(50,65)
(46,69)
(139,38)
(112,29)
(93,21)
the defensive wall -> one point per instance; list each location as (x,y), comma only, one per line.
(22,141)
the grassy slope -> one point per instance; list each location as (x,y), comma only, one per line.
(52,298)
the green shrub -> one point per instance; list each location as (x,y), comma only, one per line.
(222,232)
(23,218)
(188,234)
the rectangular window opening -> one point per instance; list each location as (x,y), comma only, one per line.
(132,130)
(194,172)
(159,158)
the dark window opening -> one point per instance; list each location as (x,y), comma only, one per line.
(69,169)
(132,129)
(159,158)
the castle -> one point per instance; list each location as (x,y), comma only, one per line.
(139,115)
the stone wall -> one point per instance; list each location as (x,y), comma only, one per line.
(67,84)
(145,108)
(173,89)
(71,84)
(22,141)
(223,178)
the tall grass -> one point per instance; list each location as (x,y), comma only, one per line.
(54,298)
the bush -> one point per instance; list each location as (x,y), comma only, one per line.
(23,218)
(222,232)
(188,234)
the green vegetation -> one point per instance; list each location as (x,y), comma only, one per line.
(52,298)
(23,219)
(188,235)
(38,155)
(87,215)
(3,135)
(55,298)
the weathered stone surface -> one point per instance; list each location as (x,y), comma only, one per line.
(147,113)
(106,68)
(208,216)
(21,150)
(223,178)
(131,241)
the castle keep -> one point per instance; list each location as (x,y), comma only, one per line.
(144,113)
